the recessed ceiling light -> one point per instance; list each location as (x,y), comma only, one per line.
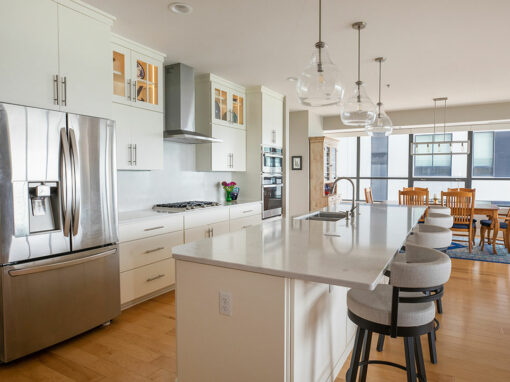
(180,8)
(292,79)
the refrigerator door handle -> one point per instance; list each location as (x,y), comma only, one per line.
(63,264)
(75,170)
(65,177)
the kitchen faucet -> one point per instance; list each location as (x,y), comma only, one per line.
(333,190)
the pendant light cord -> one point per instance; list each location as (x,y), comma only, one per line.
(379,103)
(359,56)
(320,44)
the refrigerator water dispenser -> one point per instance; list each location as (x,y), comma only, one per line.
(44,206)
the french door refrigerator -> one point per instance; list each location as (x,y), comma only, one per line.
(59,264)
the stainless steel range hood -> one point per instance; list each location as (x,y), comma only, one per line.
(180,106)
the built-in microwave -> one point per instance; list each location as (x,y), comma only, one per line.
(272,160)
(272,192)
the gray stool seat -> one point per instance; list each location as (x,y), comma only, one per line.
(431,236)
(441,220)
(440,210)
(375,306)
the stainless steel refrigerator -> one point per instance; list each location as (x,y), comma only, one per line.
(58,227)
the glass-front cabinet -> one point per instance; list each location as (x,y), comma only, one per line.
(137,78)
(228,106)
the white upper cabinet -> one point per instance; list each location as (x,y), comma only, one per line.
(85,74)
(137,96)
(220,112)
(220,102)
(137,75)
(29,63)
(60,53)
(139,138)
(272,120)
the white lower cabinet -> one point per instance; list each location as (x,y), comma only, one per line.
(143,281)
(242,223)
(206,231)
(146,264)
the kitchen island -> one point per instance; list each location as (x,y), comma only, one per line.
(268,303)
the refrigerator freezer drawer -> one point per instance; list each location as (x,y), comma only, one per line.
(48,301)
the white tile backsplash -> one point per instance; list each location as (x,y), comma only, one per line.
(178,181)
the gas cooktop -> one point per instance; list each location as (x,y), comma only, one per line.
(183,206)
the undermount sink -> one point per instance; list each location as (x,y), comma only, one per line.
(326,216)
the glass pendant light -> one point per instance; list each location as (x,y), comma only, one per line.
(358,109)
(319,84)
(382,126)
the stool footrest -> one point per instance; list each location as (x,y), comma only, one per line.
(378,362)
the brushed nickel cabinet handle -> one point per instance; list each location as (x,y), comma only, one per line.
(128,96)
(154,228)
(55,89)
(134,92)
(130,149)
(64,91)
(155,277)
(246,211)
(135,154)
(154,250)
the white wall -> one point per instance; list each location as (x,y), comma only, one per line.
(178,181)
(302,125)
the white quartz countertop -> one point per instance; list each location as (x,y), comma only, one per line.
(351,253)
(130,216)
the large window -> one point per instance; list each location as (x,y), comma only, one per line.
(383,164)
(491,154)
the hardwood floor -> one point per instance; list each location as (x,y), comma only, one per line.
(473,342)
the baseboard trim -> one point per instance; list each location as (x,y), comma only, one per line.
(147,297)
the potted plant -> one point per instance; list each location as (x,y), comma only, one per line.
(228,187)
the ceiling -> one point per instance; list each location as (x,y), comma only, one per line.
(454,48)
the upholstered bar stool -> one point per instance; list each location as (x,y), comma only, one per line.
(391,310)
(440,210)
(431,236)
(439,219)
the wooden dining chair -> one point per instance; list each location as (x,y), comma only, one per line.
(418,189)
(473,191)
(486,228)
(462,207)
(414,198)
(368,195)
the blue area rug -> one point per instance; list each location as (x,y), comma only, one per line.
(461,251)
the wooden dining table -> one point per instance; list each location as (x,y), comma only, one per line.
(481,208)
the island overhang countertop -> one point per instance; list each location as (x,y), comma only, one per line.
(350,253)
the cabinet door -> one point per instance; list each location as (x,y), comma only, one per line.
(222,153)
(237,109)
(122,89)
(197,233)
(147,137)
(272,121)
(147,77)
(220,105)
(123,116)
(220,228)
(85,59)
(238,150)
(29,41)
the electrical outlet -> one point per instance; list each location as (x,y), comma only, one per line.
(226,303)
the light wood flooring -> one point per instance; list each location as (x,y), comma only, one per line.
(473,342)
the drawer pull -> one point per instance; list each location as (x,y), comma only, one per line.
(245,212)
(154,278)
(154,250)
(154,228)
(246,226)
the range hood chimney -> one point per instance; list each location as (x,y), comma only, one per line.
(180,106)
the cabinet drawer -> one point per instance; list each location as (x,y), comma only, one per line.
(150,227)
(241,223)
(134,254)
(199,218)
(145,280)
(207,231)
(246,209)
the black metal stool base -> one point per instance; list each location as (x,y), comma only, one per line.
(360,359)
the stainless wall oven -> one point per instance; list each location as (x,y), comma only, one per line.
(272,160)
(272,191)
